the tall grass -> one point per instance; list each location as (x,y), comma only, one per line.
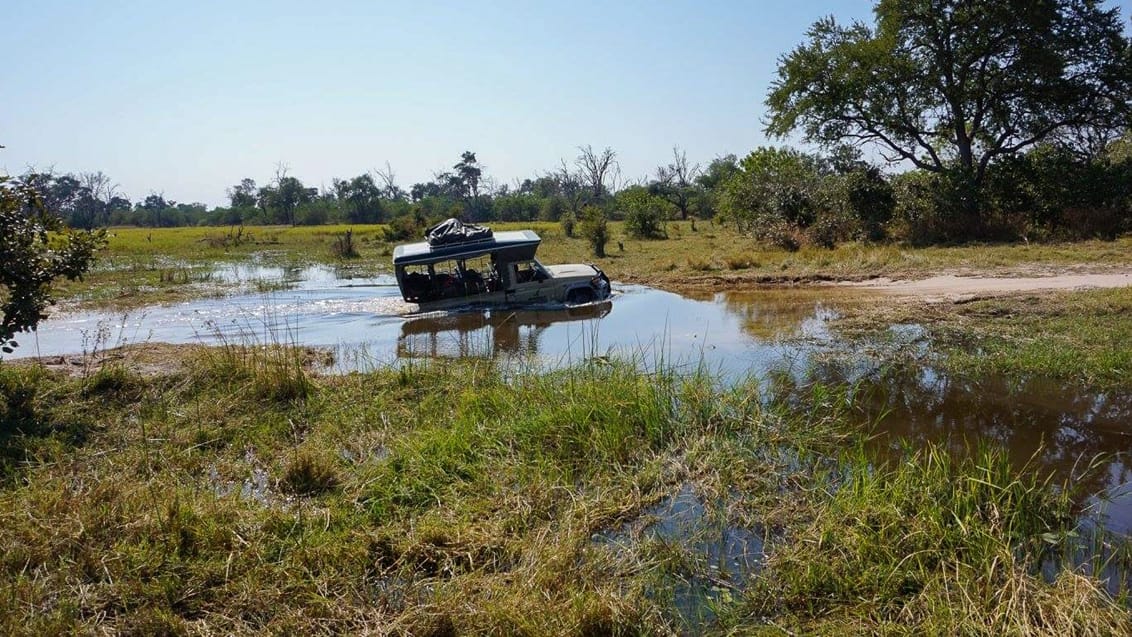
(243,494)
(935,545)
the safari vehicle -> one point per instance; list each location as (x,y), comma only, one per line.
(463,264)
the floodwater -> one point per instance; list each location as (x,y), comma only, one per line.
(1053,427)
(366,324)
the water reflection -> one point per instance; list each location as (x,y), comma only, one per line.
(489,334)
(1053,427)
(777,314)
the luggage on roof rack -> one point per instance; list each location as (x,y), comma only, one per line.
(453,231)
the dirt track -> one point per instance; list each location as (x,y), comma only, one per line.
(952,287)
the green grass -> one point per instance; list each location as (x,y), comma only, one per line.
(1081,337)
(143,266)
(1085,337)
(933,545)
(241,494)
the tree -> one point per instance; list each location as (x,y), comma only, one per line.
(156,210)
(35,249)
(285,195)
(468,173)
(712,180)
(361,197)
(242,195)
(389,189)
(772,189)
(596,169)
(571,186)
(676,182)
(951,85)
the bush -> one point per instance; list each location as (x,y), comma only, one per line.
(782,235)
(643,212)
(832,227)
(869,198)
(925,211)
(343,246)
(405,228)
(568,222)
(595,229)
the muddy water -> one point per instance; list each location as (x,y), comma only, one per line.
(367,324)
(780,332)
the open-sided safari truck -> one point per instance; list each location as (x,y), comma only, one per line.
(463,264)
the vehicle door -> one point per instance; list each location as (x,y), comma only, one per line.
(528,283)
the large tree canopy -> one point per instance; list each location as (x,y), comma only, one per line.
(957,83)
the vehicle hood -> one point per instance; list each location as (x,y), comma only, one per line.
(571,270)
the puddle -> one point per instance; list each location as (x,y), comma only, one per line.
(255,484)
(722,556)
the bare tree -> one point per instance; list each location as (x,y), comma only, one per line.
(676,182)
(388,180)
(94,209)
(598,168)
(570,184)
(100,186)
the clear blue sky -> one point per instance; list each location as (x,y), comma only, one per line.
(187,98)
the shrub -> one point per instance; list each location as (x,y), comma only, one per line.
(643,212)
(343,246)
(595,229)
(832,227)
(404,228)
(782,235)
(568,222)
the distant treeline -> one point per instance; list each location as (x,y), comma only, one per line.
(781,195)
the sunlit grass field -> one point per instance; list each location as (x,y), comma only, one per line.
(142,266)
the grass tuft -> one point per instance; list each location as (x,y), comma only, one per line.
(309,473)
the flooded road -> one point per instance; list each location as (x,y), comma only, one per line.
(1055,428)
(366,324)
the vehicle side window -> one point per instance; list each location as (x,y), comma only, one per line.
(480,275)
(527,271)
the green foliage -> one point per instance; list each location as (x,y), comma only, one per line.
(516,207)
(35,249)
(406,228)
(869,198)
(362,199)
(774,192)
(594,228)
(1050,190)
(567,222)
(643,213)
(925,82)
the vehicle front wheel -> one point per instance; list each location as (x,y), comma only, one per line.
(580,296)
